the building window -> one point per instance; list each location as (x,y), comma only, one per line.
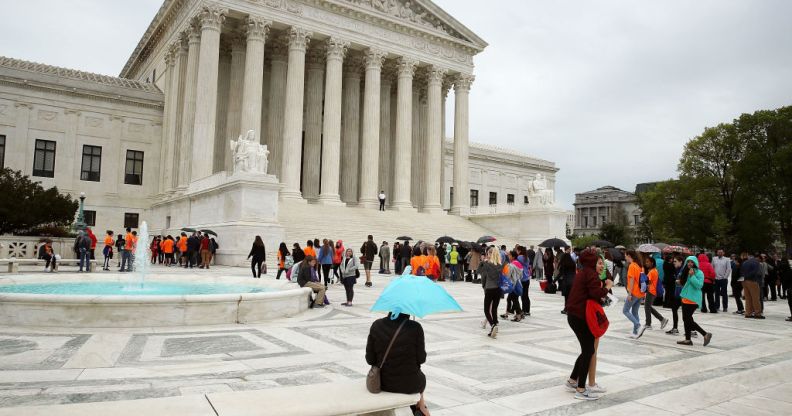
(594,220)
(167,221)
(90,218)
(493,198)
(131,219)
(451,197)
(44,159)
(585,222)
(604,220)
(2,151)
(525,200)
(91,163)
(636,220)
(509,198)
(134,168)
(474,197)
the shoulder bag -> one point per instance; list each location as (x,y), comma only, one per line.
(373,381)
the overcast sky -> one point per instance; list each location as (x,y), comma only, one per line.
(608,90)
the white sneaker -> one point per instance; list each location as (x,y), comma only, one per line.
(664,323)
(570,386)
(630,335)
(587,395)
(640,332)
(494,332)
(596,388)
(483,323)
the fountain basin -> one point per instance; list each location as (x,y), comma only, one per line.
(247,301)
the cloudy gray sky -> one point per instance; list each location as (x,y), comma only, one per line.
(609,90)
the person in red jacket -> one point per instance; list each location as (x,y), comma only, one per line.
(93,238)
(708,290)
(587,286)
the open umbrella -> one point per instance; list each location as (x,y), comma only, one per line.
(209,232)
(602,243)
(553,242)
(486,239)
(446,240)
(661,245)
(415,295)
(616,254)
(189,230)
(677,249)
(648,248)
(403,238)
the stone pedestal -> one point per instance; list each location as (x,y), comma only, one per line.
(238,207)
(530,225)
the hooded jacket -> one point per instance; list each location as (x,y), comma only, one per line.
(659,266)
(338,252)
(706,267)
(587,286)
(694,283)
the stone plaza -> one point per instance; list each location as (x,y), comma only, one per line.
(98,370)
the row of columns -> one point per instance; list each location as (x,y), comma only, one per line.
(333,83)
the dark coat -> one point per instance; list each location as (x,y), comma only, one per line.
(298,255)
(305,275)
(369,250)
(258,253)
(193,244)
(406,252)
(402,370)
(587,286)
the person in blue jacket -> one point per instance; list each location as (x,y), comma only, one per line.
(691,299)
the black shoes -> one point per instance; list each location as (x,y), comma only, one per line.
(707,338)
(685,342)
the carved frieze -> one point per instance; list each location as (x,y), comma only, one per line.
(94,122)
(46,115)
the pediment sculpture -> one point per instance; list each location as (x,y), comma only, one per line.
(249,155)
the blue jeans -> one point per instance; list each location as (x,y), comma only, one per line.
(454,272)
(721,293)
(126,261)
(631,308)
(85,259)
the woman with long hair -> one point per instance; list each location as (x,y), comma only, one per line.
(282,253)
(325,258)
(634,295)
(349,273)
(514,270)
(259,255)
(566,272)
(650,269)
(489,270)
(338,255)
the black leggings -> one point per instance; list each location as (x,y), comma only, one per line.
(256,262)
(349,286)
(335,271)
(277,277)
(737,293)
(526,301)
(586,340)
(708,300)
(513,304)
(326,273)
(491,300)
(789,299)
(674,305)
(690,324)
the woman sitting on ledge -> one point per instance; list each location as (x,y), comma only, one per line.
(402,370)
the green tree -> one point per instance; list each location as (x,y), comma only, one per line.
(617,230)
(584,240)
(25,205)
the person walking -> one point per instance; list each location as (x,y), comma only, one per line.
(453,262)
(634,295)
(107,251)
(653,277)
(722,267)
(298,254)
(489,270)
(350,271)
(126,254)
(92,237)
(259,254)
(283,255)
(368,250)
(751,270)
(326,253)
(308,277)
(381,198)
(708,302)
(514,271)
(691,299)
(587,287)
(338,255)
(676,290)
(385,258)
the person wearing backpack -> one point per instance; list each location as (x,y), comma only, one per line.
(634,295)
(652,290)
(514,271)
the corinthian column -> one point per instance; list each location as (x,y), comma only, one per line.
(277,98)
(461,204)
(293,116)
(211,20)
(350,124)
(369,160)
(313,122)
(174,62)
(331,124)
(233,129)
(385,173)
(188,116)
(434,144)
(402,157)
(257,29)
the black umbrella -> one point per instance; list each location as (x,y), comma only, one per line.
(602,243)
(446,240)
(209,232)
(403,238)
(616,254)
(189,230)
(553,242)
(466,244)
(486,239)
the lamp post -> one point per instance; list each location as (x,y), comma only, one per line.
(80,224)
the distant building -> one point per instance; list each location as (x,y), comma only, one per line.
(602,205)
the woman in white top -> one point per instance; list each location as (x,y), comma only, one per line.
(349,273)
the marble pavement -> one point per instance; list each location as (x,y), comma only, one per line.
(744,371)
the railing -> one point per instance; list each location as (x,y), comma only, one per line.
(495,209)
(27,247)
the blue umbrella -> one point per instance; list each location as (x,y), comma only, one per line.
(415,295)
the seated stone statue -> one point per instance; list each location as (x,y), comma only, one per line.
(538,189)
(249,155)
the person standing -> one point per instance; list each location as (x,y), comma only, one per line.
(107,251)
(338,255)
(650,269)
(669,277)
(526,280)
(474,259)
(722,266)
(204,250)
(750,271)
(381,197)
(349,274)
(453,262)
(675,300)
(567,269)
(119,244)
(94,240)
(538,264)
(397,258)
(691,299)
(326,253)
(126,254)
(708,302)
(182,246)
(432,263)
(406,254)
(634,295)
(154,248)
(297,253)
(514,271)
(82,247)
(385,258)
(168,247)
(489,270)
(259,254)
(785,273)
(736,283)
(283,253)
(368,250)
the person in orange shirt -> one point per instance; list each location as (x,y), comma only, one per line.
(182,246)
(634,295)
(650,268)
(107,251)
(418,261)
(126,255)
(310,251)
(167,246)
(432,263)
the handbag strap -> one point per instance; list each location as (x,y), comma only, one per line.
(391,343)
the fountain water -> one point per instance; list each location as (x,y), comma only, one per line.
(142,262)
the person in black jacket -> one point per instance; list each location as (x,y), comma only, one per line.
(193,248)
(298,254)
(406,255)
(259,254)
(308,277)
(401,372)
(368,250)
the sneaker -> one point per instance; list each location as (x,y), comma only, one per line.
(483,323)
(631,335)
(505,316)
(685,342)
(707,338)
(571,386)
(517,318)
(596,388)
(664,323)
(648,327)
(789,319)
(673,331)
(640,332)
(739,312)
(759,317)
(586,395)
(494,332)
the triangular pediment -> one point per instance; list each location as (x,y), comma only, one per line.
(423,13)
